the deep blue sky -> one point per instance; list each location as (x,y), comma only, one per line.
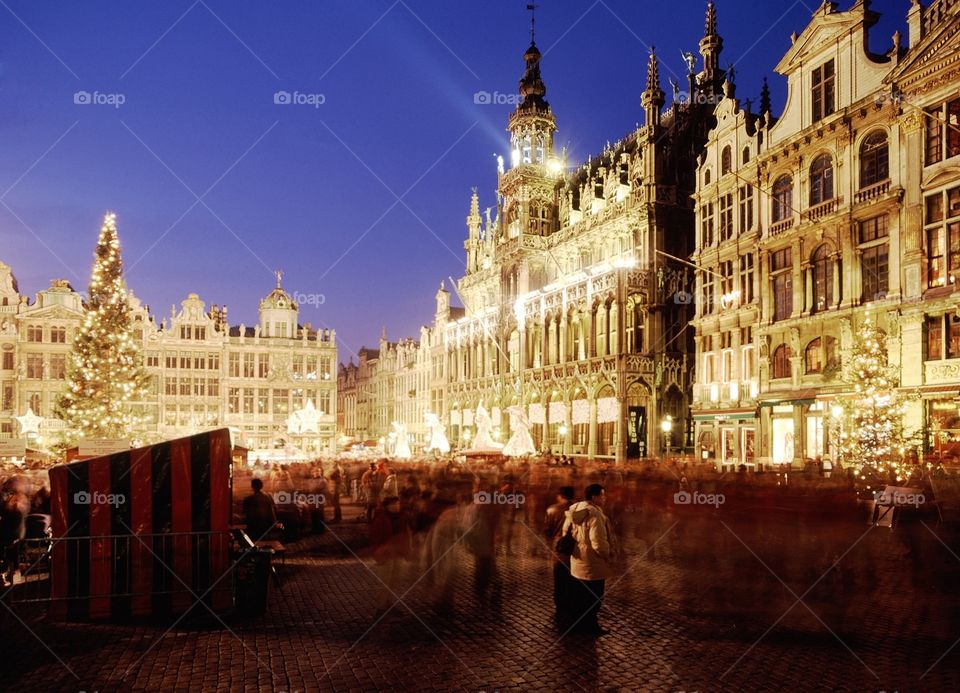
(398,79)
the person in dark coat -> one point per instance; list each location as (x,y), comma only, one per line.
(260,512)
(553,524)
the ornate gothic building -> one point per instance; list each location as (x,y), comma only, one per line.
(569,299)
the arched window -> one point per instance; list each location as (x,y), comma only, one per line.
(782,198)
(745,156)
(813,357)
(831,358)
(706,177)
(822,278)
(874,159)
(725,160)
(781,361)
(821,179)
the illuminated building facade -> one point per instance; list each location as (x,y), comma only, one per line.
(847,203)
(203,372)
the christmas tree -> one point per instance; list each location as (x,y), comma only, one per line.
(105,371)
(873,439)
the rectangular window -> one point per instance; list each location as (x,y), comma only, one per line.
(34,333)
(7,362)
(248,396)
(170,386)
(6,397)
(942,236)
(747,371)
(153,360)
(942,132)
(281,402)
(324,404)
(310,371)
(263,401)
(248,368)
(823,90)
(58,366)
(263,365)
(726,281)
(934,327)
(745,196)
(185,332)
(185,386)
(58,335)
(746,278)
(874,272)
(952,321)
(706,224)
(780,260)
(199,361)
(782,296)
(233,364)
(213,387)
(35,366)
(873,229)
(33,402)
(171,361)
(296,367)
(185,361)
(213,362)
(325,368)
(199,387)
(726,217)
(233,400)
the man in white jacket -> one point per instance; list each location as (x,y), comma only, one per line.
(590,563)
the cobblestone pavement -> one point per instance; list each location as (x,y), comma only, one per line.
(704,604)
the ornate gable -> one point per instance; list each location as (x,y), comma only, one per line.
(825,29)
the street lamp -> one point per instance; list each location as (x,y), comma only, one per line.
(562,430)
(666,426)
(466,436)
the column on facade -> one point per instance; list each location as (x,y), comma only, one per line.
(841,294)
(561,340)
(592,433)
(568,423)
(806,270)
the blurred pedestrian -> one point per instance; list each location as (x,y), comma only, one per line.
(590,564)
(260,512)
(552,526)
(391,542)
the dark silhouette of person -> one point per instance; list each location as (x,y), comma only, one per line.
(259,511)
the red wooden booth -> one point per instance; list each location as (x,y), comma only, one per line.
(143,531)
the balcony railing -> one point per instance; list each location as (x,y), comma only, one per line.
(872,191)
(823,209)
(779,227)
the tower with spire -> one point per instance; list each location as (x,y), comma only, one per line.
(711,78)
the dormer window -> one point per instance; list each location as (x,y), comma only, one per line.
(824,89)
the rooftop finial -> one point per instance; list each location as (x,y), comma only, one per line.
(711,24)
(533,20)
(279,276)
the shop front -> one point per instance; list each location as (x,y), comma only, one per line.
(726,437)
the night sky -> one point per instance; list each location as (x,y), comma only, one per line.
(312,188)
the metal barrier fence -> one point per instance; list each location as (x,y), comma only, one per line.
(133,574)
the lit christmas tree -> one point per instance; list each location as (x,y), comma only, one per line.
(105,373)
(873,439)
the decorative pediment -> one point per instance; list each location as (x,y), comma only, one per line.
(942,177)
(933,53)
(827,26)
(54,312)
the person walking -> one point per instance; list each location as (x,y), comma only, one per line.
(371,483)
(591,561)
(334,485)
(391,542)
(552,526)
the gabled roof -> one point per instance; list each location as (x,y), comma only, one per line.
(937,50)
(825,28)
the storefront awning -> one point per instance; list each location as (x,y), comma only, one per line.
(724,414)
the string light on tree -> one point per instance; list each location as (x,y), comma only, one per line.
(105,372)
(873,438)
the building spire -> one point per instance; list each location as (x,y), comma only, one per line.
(765,98)
(652,97)
(710,46)
(533,21)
